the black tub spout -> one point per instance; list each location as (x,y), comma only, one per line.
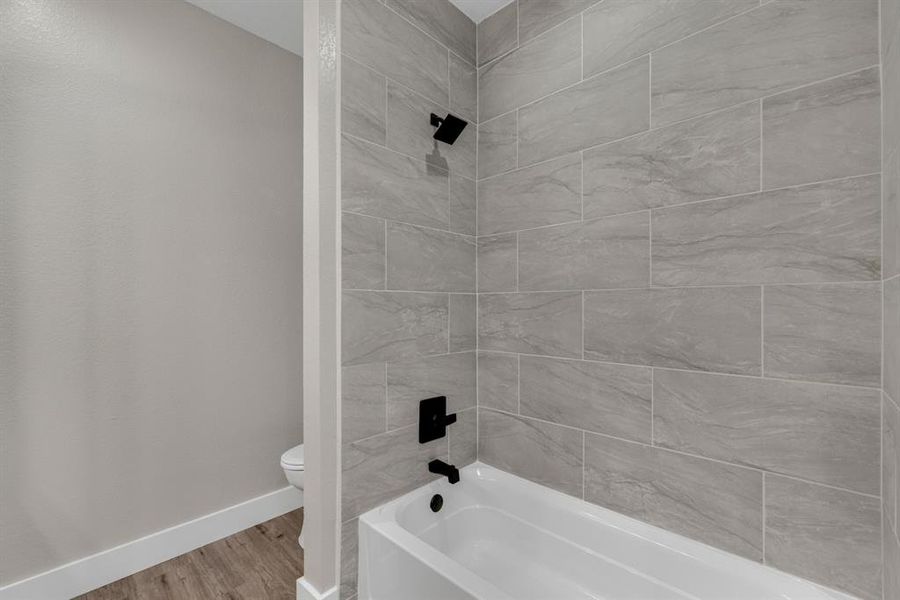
(442,468)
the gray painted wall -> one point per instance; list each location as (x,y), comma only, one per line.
(679,269)
(408,248)
(149,272)
(890,177)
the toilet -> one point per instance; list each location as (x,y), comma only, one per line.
(293,465)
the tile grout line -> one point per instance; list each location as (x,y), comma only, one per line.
(386,402)
(386,255)
(517,262)
(764,517)
(583,463)
(650,244)
(582,325)
(517,147)
(650,91)
(449,324)
(679,370)
(518,384)
(652,406)
(478,128)
(762,331)
(693,202)
(665,125)
(761,158)
(415,225)
(883,328)
(581,45)
(658,287)
(581,195)
(701,457)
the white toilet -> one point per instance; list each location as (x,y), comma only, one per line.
(294,467)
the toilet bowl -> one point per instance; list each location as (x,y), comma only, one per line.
(294,467)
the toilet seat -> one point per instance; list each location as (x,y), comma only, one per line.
(292,460)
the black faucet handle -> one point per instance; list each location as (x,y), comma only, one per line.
(433,419)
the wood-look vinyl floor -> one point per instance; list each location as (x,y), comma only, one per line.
(260,563)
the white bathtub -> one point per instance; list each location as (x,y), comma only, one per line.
(500,537)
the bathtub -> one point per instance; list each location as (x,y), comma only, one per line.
(500,537)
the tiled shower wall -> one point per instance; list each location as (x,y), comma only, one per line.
(679,269)
(890,64)
(408,248)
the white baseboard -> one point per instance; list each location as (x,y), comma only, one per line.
(306,591)
(86,574)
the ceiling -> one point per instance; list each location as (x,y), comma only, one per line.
(281,21)
(478,10)
(278,21)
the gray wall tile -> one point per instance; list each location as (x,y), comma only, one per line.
(890,461)
(380,326)
(546,323)
(363,401)
(712,502)
(891,91)
(463,438)
(408,382)
(824,534)
(611,399)
(823,433)
(544,194)
(362,252)
(463,326)
(497,263)
(890,24)
(823,131)
(892,338)
(549,63)
(463,90)
(383,40)
(829,333)
(443,21)
(601,109)
(778,46)
(363,101)
(705,329)
(498,34)
(410,131)
(349,558)
(462,205)
(891,194)
(380,468)
(709,157)
(817,233)
(381,183)
(649,25)
(425,259)
(814,65)
(542,452)
(497,149)
(603,253)
(891,560)
(537,16)
(498,381)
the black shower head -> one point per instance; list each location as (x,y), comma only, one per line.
(448,128)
